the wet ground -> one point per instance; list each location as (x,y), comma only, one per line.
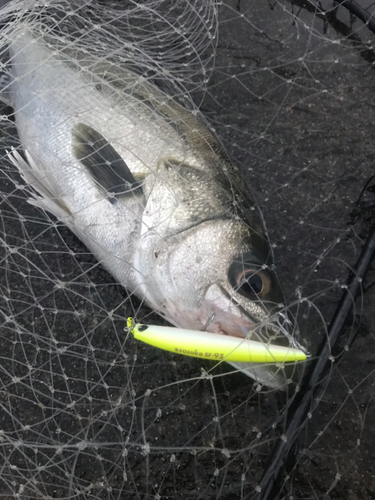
(88,413)
(309,150)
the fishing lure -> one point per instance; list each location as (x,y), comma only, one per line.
(206,345)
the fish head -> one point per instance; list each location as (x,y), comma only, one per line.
(247,302)
(246,298)
(219,277)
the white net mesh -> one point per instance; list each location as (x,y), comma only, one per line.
(85,410)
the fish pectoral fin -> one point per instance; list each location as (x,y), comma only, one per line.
(103,162)
(35,178)
(5,83)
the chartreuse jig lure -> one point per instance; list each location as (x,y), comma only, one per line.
(206,345)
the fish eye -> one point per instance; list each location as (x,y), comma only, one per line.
(252,283)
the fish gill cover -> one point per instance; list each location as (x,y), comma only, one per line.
(87,412)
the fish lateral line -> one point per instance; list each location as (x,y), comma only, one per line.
(213,346)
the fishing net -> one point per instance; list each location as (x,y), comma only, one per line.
(85,410)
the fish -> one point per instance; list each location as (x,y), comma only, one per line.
(148,188)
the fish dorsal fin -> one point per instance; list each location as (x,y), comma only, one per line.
(103,162)
(35,177)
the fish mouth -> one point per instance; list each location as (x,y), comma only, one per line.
(276,327)
(275,330)
(271,332)
(214,325)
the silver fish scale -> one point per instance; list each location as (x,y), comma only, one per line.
(179,197)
